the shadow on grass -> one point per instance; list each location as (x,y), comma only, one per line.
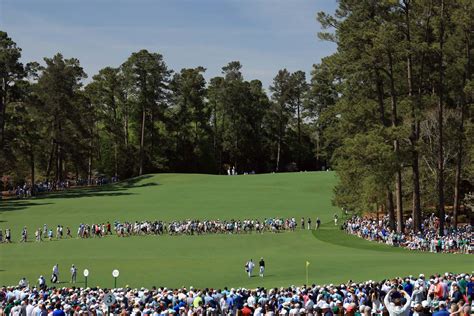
(133,182)
(16,205)
(333,235)
(109,190)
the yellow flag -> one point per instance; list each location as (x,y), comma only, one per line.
(307,264)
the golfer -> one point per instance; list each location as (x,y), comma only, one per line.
(73,274)
(262,267)
(55,276)
(249,267)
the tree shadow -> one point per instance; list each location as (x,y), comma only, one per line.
(108,190)
(16,205)
(114,189)
(82,193)
(331,234)
(133,182)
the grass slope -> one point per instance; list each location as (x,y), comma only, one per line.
(213,260)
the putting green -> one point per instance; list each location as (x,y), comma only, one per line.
(208,260)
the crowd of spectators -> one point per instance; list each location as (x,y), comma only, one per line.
(183,227)
(198,227)
(454,240)
(439,295)
(25,190)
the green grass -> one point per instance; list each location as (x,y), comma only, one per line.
(204,261)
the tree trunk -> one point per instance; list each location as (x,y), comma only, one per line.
(58,163)
(416,210)
(116,159)
(278,156)
(32,168)
(440,169)
(280,136)
(142,142)
(398,174)
(125,127)
(398,190)
(89,167)
(299,135)
(196,148)
(50,160)
(220,145)
(457,179)
(216,155)
(318,149)
(380,96)
(384,122)
(89,164)
(390,209)
(152,132)
(3,106)
(59,154)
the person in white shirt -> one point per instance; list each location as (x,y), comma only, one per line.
(29,309)
(16,310)
(55,277)
(251,300)
(23,283)
(395,308)
(73,274)
(41,282)
(37,309)
(249,267)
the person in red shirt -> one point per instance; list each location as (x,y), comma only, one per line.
(246,311)
(439,290)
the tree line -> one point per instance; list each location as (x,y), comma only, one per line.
(143,117)
(395,105)
(390,110)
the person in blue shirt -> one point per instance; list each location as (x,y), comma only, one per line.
(230,302)
(238,301)
(442,310)
(58,311)
(180,304)
(408,287)
(470,289)
(457,295)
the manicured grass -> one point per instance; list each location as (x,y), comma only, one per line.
(211,260)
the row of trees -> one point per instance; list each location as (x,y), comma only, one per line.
(143,117)
(391,111)
(395,105)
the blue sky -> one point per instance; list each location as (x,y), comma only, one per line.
(264,35)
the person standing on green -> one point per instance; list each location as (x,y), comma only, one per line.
(73,274)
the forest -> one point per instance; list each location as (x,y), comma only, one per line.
(390,111)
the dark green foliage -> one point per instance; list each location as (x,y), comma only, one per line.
(391,111)
(393,104)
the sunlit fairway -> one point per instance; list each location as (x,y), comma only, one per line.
(208,260)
